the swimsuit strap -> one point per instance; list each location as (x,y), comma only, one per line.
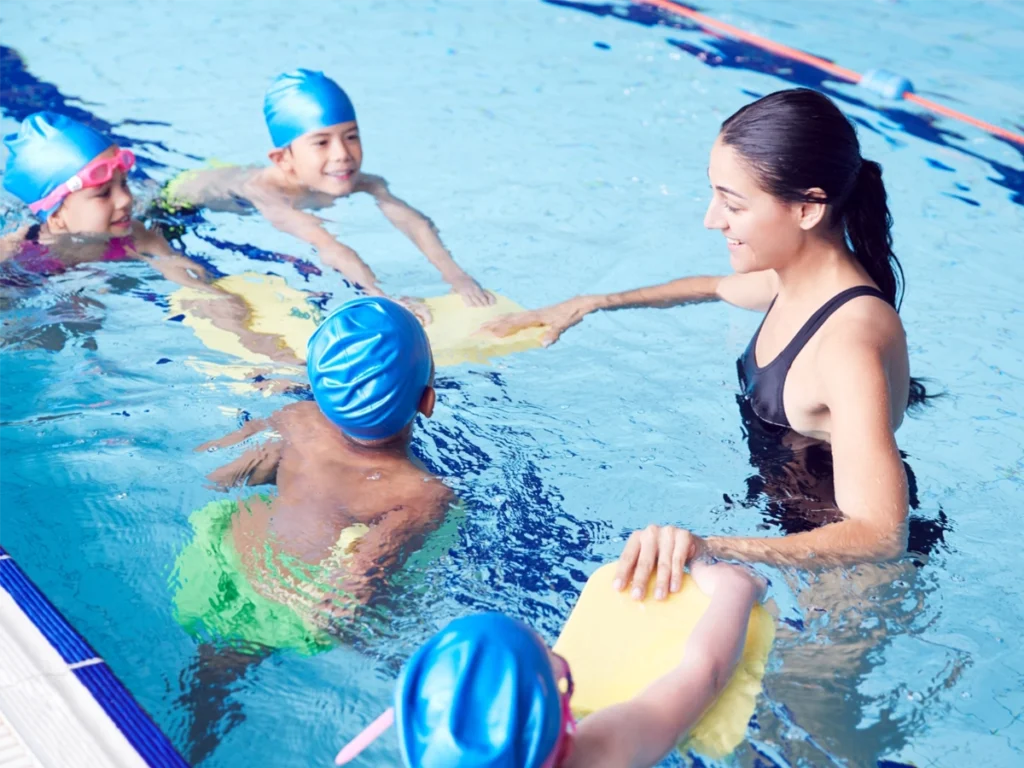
(764,385)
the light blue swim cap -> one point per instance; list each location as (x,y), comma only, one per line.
(47,150)
(480,693)
(302,101)
(369,363)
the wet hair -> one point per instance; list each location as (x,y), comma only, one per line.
(796,140)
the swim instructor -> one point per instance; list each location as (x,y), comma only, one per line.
(808,230)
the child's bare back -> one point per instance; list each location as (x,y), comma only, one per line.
(326,483)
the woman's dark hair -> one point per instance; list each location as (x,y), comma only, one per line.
(797,140)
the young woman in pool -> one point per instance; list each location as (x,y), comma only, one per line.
(808,231)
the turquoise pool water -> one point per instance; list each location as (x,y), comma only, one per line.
(561,148)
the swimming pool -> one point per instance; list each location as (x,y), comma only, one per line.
(561,148)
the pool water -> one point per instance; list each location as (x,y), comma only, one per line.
(561,148)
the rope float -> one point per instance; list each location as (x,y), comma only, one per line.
(887,84)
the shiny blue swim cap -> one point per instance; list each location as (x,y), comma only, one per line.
(479,694)
(47,150)
(302,101)
(369,363)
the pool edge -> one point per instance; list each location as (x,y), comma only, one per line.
(88,699)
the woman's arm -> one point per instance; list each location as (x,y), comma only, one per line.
(751,291)
(640,732)
(870,485)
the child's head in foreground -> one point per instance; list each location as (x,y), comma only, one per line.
(484,692)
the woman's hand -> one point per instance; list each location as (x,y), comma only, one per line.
(558,318)
(665,550)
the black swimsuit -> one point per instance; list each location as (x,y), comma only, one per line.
(764,387)
(792,485)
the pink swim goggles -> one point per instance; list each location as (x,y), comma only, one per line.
(97,173)
(559,753)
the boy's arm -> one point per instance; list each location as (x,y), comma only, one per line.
(310,229)
(424,235)
(640,732)
(257,466)
(399,532)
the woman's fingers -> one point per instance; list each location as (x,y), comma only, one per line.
(666,542)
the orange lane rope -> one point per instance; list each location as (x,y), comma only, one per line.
(846,74)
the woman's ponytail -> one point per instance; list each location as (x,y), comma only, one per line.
(869,227)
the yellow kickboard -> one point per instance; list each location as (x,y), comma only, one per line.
(453,337)
(617,646)
(278,309)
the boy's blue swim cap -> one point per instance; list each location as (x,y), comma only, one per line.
(302,101)
(369,363)
(47,150)
(479,693)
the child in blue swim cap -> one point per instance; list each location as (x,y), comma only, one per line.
(351,501)
(486,692)
(75,180)
(317,158)
(284,571)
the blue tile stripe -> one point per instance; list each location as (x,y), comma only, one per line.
(134,723)
(40,611)
(140,731)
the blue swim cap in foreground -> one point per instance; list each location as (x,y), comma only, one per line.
(47,150)
(302,101)
(479,693)
(369,362)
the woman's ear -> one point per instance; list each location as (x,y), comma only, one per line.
(811,213)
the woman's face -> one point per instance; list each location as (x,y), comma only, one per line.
(102,210)
(761,231)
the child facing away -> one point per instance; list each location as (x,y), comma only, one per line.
(75,181)
(317,158)
(272,572)
(487,691)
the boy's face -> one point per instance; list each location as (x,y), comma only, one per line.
(105,209)
(327,160)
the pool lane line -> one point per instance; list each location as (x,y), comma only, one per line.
(138,728)
(850,75)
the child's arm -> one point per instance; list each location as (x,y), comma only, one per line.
(338,256)
(424,235)
(257,466)
(310,229)
(387,544)
(226,311)
(152,248)
(10,243)
(640,732)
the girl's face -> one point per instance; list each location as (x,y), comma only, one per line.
(103,210)
(761,231)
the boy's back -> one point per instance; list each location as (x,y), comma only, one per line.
(328,484)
